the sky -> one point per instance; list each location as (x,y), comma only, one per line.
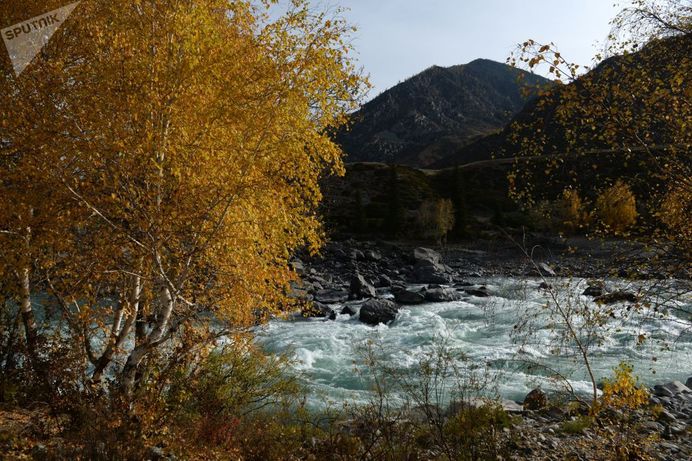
(397,39)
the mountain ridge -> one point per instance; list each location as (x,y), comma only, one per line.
(435,112)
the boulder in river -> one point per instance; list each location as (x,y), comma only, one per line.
(426,256)
(350,310)
(405,296)
(438,295)
(384,281)
(361,288)
(617,297)
(593,291)
(430,274)
(481,292)
(376,311)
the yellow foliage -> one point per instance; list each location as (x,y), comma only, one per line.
(571,211)
(623,392)
(616,208)
(166,157)
(676,213)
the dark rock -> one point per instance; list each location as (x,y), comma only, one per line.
(688,383)
(617,297)
(299,291)
(331,296)
(361,288)
(481,292)
(535,400)
(384,281)
(594,291)
(318,310)
(404,296)
(671,389)
(431,274)
(39,451)
(545,286)
(372,255)
(652,426)
(426,256)
(357,255)
(376,311)
(437,295)
(350,310)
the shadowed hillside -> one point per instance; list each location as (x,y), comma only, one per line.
(434,113)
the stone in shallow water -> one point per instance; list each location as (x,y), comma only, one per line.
(438,295)
(617,297)
(481,292)
(594,291)
(376,311)
(319,310)
(405,296)
(350,310)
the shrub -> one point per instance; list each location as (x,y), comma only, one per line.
(623,392)
(577,425)
(618,414)
(675,212)
(616,208)
(570,212)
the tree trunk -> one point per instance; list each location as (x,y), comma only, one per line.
(28,318)
(166,304)
(118,334)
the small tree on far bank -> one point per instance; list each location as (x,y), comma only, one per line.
(571,212)
(616,208)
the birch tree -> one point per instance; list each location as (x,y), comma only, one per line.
(171,150)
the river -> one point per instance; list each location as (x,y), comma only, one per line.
(510,337)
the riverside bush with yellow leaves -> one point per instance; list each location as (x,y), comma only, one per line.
(617,412)
(616,208)
(570,212)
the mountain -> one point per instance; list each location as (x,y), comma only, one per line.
(626,82)
(437,112)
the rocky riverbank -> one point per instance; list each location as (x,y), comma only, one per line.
(547,432)
(345,273)
(373,280)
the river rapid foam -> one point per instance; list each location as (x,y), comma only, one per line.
(328,354)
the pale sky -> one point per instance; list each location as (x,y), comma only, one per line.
(399,38)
